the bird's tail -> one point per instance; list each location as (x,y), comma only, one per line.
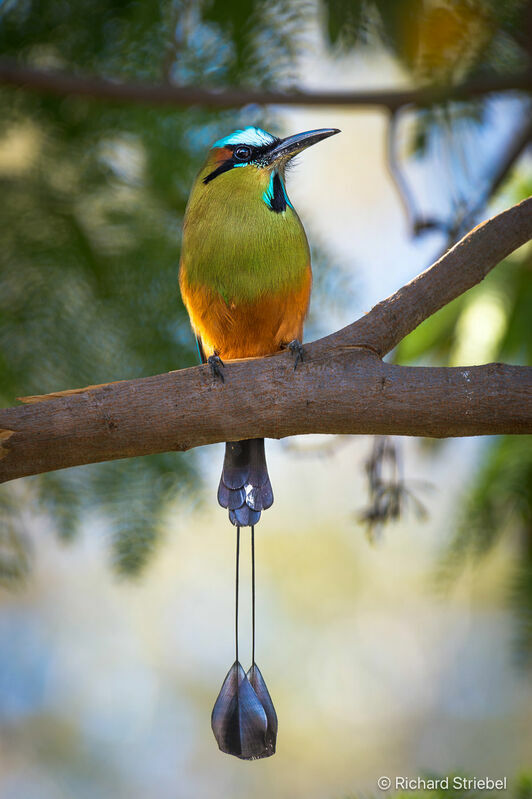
(245,488)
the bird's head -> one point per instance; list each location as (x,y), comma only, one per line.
(254,161)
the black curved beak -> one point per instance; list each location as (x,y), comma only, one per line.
(293,145)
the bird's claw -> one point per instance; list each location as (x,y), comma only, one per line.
(216,364)
(296,348)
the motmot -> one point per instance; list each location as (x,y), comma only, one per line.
(245,278)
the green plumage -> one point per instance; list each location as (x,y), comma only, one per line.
(245,279)
(234,244)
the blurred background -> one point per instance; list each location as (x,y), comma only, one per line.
(394,600)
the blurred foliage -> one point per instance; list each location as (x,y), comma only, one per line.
(14,544)
(441,42)
(93,200)
(437,41)
(499,503)
(94,195)
(491,322)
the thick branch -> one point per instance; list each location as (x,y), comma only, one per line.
(63,84)
(347,391)
(462,267)
(342,387)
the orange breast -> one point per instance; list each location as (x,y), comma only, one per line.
(247,329)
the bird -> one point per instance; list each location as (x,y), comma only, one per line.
(245,278)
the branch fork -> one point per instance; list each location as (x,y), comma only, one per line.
(343,386)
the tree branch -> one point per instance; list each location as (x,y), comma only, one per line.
(417,223)
(63,84)
(342,387)
(348,391)
(462,267)
(510,155)
(456,228)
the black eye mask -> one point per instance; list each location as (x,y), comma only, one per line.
(257,156)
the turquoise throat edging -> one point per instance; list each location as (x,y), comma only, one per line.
(268,195)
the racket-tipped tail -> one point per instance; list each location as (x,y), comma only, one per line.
(245,488)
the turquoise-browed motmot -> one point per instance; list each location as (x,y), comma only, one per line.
(245,279)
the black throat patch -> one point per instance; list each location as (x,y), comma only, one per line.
(278,198)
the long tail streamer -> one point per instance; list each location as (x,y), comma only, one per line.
(244,721)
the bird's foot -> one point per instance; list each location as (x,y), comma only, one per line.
(216,364)
(296,348)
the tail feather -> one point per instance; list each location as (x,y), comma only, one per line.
(230,498)
(244,516)
(245,488)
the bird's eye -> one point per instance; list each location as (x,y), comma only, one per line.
(242,153)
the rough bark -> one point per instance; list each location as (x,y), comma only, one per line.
(344,391)
(342,387)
